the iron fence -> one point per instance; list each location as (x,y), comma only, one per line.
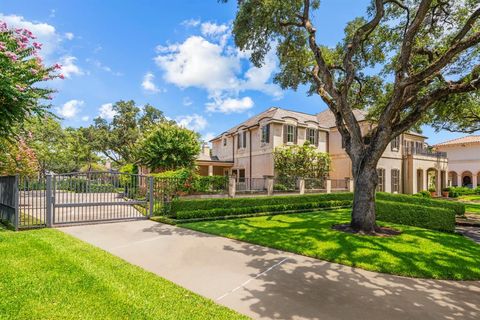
(32,202)
(285,184)
(251,185)
(313,185)
(9,200)
(339,184)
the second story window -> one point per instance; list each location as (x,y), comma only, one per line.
(312,136)
(395,144)
(265,134)
(242,140)
(289,134)
(224,141)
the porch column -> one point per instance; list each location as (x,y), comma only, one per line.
(232,184)
(474,181)
(270,183)
(301,186)
(438,182)
(425,185)
(210,170)
(459,179)
(329,185)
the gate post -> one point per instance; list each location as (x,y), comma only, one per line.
(49,215)
(151,197)
(16,199)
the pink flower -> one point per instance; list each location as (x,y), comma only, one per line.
(49,97)
(20,88)
(61,76)
(12,56)
(57,66)
(2,46)
(33,71)
(37,45)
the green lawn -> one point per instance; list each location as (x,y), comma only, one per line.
(472,208)
(416,252)
(45,274)
(471,197)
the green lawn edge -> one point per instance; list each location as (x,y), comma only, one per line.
(47,274)
(416,253)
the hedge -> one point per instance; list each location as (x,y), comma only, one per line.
(228,203)
(221,212)
(416,215)
(457,207)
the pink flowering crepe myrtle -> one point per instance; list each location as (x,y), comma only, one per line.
(20,96)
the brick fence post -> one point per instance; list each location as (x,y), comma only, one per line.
(329,185)
(301,186)
(232,183)
(269,186)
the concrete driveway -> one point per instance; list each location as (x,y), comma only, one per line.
(269,284)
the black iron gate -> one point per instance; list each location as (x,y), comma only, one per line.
(98,197)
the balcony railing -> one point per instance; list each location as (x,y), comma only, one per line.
(426,152)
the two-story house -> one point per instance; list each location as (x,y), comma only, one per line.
(246,150)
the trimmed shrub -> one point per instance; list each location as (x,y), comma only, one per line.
(424,194)
(416,215)
(457,207)
(222,212)
(462,191)
(227,203)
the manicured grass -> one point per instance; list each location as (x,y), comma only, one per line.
(471,197)
(45,274)
(472,208)
(415,253)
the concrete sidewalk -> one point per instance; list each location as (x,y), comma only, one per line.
(269,284)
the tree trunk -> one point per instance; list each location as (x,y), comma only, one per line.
(363,213)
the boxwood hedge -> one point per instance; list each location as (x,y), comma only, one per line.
(227,203)
(435,218)
(222,212)
(457,207)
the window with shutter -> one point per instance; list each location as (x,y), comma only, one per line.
(290,133)
(381,180)
(244,139)
(395,144)
(395,180)
(239,141)
(265,134)
(312,136)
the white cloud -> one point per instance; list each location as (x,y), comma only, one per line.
(85,118)
(69,35)
(230,105)
(193,122)
(107,112)
(103,67)
(190,23)
(148,84)
(70,109)
(69,67)
(45,33)
(213,29)
(208,136)
(199,63)
(187,101)
(216,66)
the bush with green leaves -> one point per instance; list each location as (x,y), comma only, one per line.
(435,218)
(265,209)
(169,147)
(423,194)
(457,207)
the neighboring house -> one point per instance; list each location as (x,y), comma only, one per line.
(463,160)
(407,165)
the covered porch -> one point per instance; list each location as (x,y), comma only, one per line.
(214,168)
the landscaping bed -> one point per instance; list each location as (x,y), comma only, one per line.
(416,252)
(49,275)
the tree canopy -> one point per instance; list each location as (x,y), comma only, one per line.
(405,62)
(117,139)
(169,147)
(21,72)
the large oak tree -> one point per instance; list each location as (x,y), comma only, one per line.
(407,62)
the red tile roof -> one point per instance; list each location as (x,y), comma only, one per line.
(463,140)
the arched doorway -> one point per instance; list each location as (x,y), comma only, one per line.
(467,179)
(453,179)
(432,177)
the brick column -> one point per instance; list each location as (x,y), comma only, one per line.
(232,184)
(328,183)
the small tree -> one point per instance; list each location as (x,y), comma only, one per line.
(406,63)
(21,69)
(169,147)
(305,161)
(17,158)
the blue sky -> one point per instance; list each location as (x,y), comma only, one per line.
(175,55)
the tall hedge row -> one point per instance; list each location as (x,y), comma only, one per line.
(457,207)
